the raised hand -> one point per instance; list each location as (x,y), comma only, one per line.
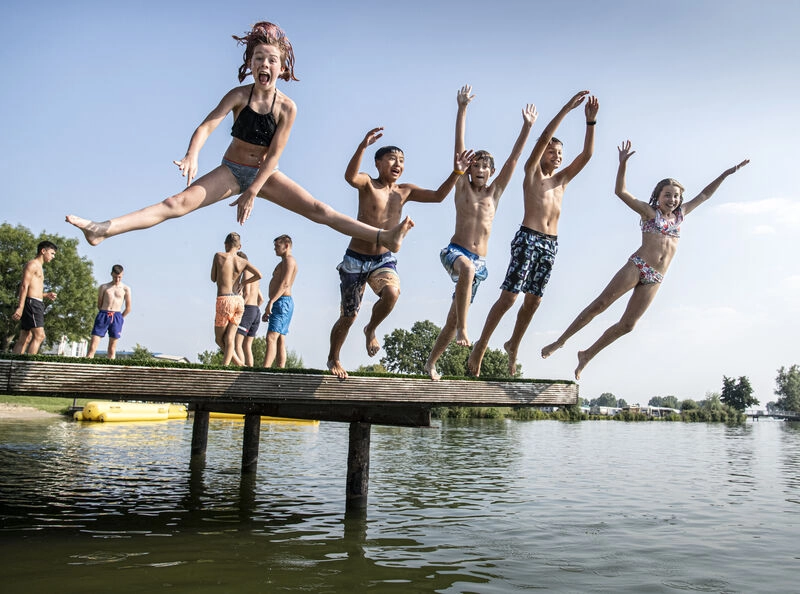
(464,160)
(577,99)
(592,106)
(625,151)
(736,168)
(464,96)
(529,114)
(372,136)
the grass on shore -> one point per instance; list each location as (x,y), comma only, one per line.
(45,403)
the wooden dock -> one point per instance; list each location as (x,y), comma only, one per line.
(361,401)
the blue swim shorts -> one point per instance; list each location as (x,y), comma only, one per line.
(532,257)
(357,270)
(453,252)
(251,320)
(108,321)
(281,315)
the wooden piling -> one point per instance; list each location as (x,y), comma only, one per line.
(199,434)
(252,435)
(358,466)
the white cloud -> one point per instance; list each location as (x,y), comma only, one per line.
(772,212)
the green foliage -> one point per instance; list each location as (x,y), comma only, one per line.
(69,275)
(605,399)
(689,404)
(373,368)
(407,351)
(141,354)
(737,394)
(215,358)
(788,390)
(664,402)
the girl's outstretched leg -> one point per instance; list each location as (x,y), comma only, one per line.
(287,193)
(211,188)
(623,281)
(640,300)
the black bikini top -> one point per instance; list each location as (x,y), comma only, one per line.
(253,127)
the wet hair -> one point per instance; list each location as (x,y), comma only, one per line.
(555,140)
(233,239)
(660,186)
(385,150)
(270,34)
(242,255)
(283,239)
(117,269)
(45,245)
(484,156)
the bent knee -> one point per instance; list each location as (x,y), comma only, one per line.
(390,294)
(177,205)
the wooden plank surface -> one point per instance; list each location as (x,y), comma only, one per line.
(250,391)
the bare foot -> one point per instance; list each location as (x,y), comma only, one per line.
(430,369)
(461,337)
(582,361)
(393,238)
(373,346)
(512,358)
(335,367)
(550,349)
(93,232)
(476,358)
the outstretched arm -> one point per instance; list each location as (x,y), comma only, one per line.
(463,99)
(529,115)
(711,188)
(188,165)
(550,130)
(352,174)
(462,163)
(574,168)
(625,153)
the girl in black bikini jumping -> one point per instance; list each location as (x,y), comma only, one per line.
(263,118)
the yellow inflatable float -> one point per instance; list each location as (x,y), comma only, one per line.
(106,411)
(266,419)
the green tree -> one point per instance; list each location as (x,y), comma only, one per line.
(293,360)
(374,368)
(141,354)
(605,399)
(788,390)
(406,352)
(737,394)
(69,275)
(664,401)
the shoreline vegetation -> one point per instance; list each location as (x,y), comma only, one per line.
(32,407)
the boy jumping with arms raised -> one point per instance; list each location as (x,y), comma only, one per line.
(534,247)
(476,205)
(380,200)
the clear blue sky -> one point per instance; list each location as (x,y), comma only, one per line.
(100,97)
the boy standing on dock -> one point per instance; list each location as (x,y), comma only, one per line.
(30,310)
(110,297)
(226,269)
(280,306)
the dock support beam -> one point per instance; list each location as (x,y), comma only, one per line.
(252,435)
(358,466)
(199,434)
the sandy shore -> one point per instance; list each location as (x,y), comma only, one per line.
(12,411)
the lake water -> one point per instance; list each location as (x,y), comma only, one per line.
(469,506)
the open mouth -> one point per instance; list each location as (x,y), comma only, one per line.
(264,77)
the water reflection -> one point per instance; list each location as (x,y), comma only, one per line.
(489,506)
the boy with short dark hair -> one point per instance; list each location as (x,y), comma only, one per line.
(30,310)
(380,201)
(534,246)
(110,297)
(476,203)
